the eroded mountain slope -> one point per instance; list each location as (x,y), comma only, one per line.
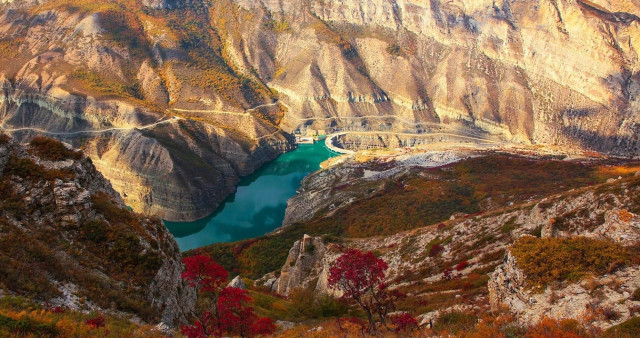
(556,72)
(66,239)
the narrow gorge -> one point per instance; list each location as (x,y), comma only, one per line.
(564,76)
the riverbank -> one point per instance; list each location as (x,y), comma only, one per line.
(259,203)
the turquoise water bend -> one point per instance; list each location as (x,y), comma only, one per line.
(259,204)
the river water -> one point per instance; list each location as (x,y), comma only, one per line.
(259,204)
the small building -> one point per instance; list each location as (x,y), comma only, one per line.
(304,140)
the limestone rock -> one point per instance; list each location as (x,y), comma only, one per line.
(305,258)
(307,266)
(237,283)
(621,226)
(507,288)
(508,284)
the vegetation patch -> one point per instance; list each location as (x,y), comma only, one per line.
(629,328)
(545,260)
(393,49)
(277,26)
(455,322)
(26,326)
(28,169)
(416,201)
(20,317)
(98,83)
(4,138)
(53,150)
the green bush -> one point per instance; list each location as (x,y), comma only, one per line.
(95,230)
(545,260)
(307,304)
(629,328)
(26,327)
(455,322)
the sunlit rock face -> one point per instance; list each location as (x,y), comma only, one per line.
(555,72)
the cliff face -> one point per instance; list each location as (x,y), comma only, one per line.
(66,239)
(241,72)
(94,78)
(533,71)
(307,266)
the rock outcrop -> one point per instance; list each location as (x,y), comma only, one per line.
(67,239)
(237,283)
(307,266)
(590,300)
(601,301)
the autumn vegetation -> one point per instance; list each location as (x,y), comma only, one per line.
(226,310)
(360,277)
(52,150)
(546,260)
(35,252)
(414,201)
(22,317)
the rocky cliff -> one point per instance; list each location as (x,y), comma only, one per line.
(66,238)
(94,77)
(241,72)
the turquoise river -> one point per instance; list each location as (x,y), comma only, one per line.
(259,204)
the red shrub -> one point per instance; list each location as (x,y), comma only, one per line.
(263,326)
(58,309)
(462,265)
(404,322)
(435,250)
(203,273)
(228,313)
(449,275)
(360,276)
(96,322)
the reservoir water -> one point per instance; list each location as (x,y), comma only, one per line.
(259,204)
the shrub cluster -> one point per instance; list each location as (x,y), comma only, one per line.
(545,260)
(52,150)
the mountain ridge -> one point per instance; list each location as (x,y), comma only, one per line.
(565,76)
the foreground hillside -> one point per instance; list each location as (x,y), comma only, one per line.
(242,74)
(545,247)
(67,240)
(526,239)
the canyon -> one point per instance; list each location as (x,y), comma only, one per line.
(243,76)
(486,150)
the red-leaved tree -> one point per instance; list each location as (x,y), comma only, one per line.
(404,322)
(226,310)
(360,277)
